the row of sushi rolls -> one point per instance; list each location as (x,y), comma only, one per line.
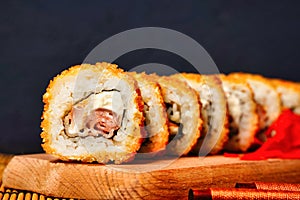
(101,113)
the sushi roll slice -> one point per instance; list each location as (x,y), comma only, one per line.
(266,98)
(156,122)
(183,111)
(289,94)
(93,113)
(243,119)
(214,133)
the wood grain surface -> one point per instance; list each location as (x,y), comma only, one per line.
(4,160)
(44,174)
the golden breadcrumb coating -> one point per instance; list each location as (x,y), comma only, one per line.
(214,133)
(289,94)
(156,122)
(265,95)
(178,93)
(242,111)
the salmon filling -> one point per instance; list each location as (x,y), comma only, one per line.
(97,115)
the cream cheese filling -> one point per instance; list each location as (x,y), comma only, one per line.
(174,116)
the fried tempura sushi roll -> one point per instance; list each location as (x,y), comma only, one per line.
(93,113)
(266,98)
(243,118)
(183,111)
(289,94)
(156,122)
(214,133)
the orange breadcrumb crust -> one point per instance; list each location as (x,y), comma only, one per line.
(200,79)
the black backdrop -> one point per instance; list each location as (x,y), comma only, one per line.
(39,39)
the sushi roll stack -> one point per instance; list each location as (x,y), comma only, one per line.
(101,113)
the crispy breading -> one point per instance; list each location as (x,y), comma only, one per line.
(242,111)
(213,112)
(178,92)
(156,122)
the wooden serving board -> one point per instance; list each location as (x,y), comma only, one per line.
(44,174)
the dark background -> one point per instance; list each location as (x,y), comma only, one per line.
(39,39)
